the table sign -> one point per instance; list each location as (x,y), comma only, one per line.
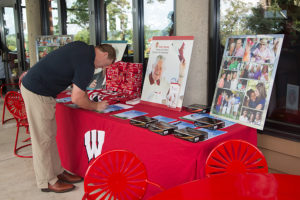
(167,71)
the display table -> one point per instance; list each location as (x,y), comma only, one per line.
(252,186)
(169,161)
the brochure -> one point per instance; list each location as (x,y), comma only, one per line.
(195,116)
(64,100)
(181,124)
(164,119)
(116,107)
(129,114)
(212,133)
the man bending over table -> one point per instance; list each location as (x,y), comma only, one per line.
(74,64)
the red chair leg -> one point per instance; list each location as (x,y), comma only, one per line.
(3,113)
(16,143)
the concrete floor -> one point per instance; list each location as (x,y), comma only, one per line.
(17,179)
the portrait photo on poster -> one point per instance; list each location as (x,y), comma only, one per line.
(246,78)
(167,71)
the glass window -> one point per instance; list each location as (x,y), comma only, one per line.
(78,20)
(119,24)
(9,29)
(242,17)
(158,20)
(25,32)
(53,17)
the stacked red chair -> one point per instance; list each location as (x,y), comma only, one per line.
(117,174)
(235,156)
(15,105)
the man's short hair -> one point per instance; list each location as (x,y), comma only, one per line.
(109,49)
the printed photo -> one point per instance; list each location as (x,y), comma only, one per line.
(235,47)
(228,80)
(228,103)
(251,116)
(232,63)
(242,84)
(256,95)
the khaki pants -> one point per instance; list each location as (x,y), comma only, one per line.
(42,126)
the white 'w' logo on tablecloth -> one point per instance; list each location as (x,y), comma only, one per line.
(93,141)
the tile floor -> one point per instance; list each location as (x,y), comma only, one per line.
(17,180)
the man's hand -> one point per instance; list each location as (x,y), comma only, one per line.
(101,105)
(93,84)
(80,98)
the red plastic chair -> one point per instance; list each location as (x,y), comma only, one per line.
(235,156)
(3,97)
(15,105)
(116,174)
(1,94)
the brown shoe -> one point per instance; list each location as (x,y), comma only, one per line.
(59,187)
(69,178)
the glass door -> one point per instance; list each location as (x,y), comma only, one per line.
(11,41)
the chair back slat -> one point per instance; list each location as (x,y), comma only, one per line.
(116,174)
(235,156)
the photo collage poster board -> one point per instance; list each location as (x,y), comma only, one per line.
(246,78)
(167,71)
(99,78)
(47,43)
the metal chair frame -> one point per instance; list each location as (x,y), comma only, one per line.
(15,105)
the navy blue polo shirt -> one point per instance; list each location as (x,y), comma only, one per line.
(72,63)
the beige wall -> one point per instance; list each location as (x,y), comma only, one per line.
(192,20)
(34,26)
(283,156)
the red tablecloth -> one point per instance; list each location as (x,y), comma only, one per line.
(169,161)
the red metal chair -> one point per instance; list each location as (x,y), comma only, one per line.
(15,105)
(235,156)
(116,174)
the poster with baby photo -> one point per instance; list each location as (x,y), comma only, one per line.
(246,78)
(167,71)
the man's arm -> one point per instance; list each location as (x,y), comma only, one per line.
(80,98)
